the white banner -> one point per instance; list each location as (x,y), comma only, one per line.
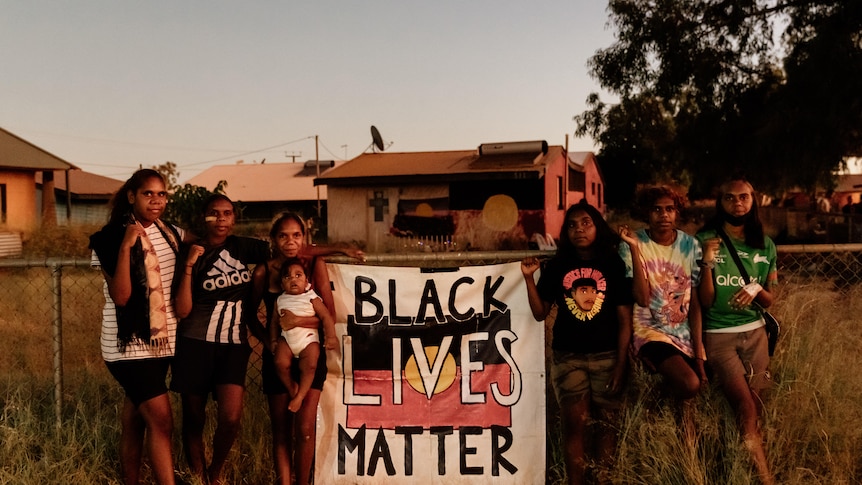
(441,379)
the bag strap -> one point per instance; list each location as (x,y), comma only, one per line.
(733,254)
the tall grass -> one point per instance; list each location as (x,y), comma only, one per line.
(812,422)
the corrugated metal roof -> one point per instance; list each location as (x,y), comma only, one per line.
(85,184)
(462,164)
(16,152)
(261,182)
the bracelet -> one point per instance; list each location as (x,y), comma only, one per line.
(706,264)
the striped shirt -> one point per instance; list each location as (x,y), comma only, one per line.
(138,349)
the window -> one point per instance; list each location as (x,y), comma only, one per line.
(561,194)
(2,203)
(599,198)
(594,188)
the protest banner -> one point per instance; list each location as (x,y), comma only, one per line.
(440,379)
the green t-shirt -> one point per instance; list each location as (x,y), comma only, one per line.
(761,267)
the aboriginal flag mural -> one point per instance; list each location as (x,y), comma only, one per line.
(440,378)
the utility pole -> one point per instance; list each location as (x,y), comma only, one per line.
(317,164)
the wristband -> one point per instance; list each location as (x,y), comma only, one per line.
(706,264)
(752,289)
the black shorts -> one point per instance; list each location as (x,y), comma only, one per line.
(273,385)
(654,353)
(199,366)
(141,379)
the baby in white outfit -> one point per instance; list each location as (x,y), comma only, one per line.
(302,342)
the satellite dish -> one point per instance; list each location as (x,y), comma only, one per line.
(376,139)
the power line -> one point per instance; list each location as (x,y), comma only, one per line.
(247,153)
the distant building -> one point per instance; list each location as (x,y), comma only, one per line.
(266,189)
(500,196)
(20,162)
(90,195)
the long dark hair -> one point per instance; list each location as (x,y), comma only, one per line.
(120,206)
(752,228)
(607,241)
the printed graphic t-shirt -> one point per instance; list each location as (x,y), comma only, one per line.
(672,273)
(587,294)
(221,284)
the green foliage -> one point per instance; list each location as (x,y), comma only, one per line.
(171,174)
(704,91)
(186,203)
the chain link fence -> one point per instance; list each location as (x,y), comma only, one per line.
(50,310)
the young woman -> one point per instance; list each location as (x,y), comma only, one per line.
(735,338)
(662,263)
(586,279)
(293,434)
(212,301)
(137,253)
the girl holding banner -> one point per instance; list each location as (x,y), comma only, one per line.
(288,240)
(591,334)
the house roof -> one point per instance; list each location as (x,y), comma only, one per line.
(444,166)
(264,182)
(17,153)
(85,185)
(579,161)
(851,182)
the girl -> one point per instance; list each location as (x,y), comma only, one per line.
(586,279)
(212,347)
(735,338)
(137,253)
(661,261)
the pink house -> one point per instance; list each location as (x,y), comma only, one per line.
(499,196)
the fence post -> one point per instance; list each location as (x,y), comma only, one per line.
(56,289)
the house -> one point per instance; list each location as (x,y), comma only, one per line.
(266,189)
(90,195)
(500,196)
(20,161)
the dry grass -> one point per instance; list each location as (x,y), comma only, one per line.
(812,424)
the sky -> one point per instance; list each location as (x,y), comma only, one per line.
(111,85)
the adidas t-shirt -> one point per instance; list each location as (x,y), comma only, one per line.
(221,290)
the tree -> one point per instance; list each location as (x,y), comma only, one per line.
(171,174)
(185,201)
(704,92)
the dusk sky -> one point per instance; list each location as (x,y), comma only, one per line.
(111,85)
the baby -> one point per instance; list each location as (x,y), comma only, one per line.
(301,300)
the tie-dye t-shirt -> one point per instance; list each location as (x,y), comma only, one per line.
(672,273)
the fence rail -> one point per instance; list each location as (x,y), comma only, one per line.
(72,290)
